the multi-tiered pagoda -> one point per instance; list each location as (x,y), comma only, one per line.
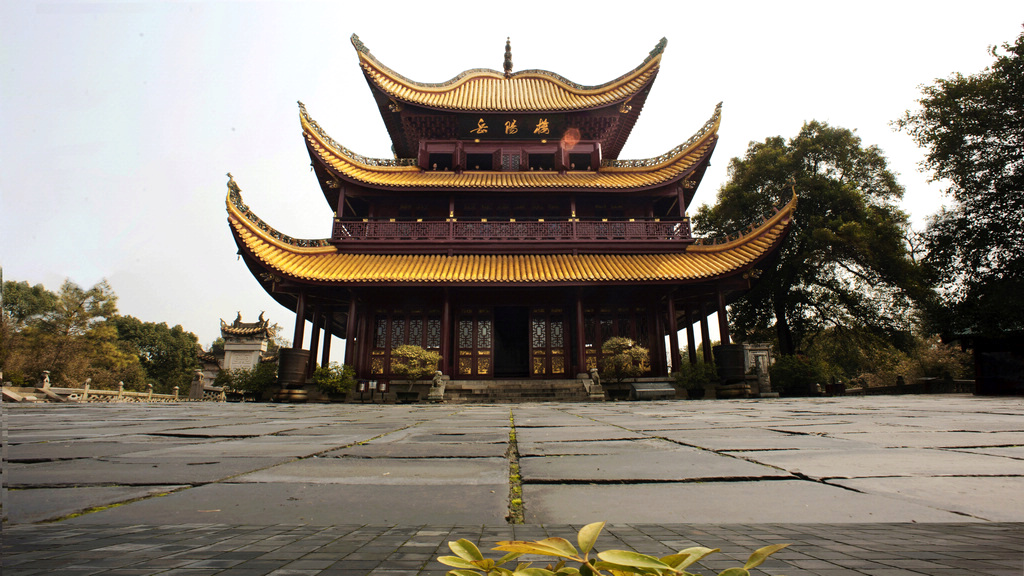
(505,234)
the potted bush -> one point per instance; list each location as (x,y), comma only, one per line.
(334,380)
(412,363)
(623,358)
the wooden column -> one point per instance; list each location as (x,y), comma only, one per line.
(691,345)
(446,334)
(673,335)
(362,363)
(325,359)
(314,341)
(350,333)
(658,362)
(705,334)
(723,319)
(581,337)
(300,321)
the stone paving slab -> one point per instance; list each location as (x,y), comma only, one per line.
(387,471)
(594,447)
(315,503)
(678,464)
(1003,498)
(881,462)
(47,504)
(156,471)
(72,449)
(719,502)
(757,439)
(422,450)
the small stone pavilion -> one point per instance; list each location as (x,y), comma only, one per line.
(506,233)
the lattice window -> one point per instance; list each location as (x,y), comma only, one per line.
(416,331)
(434,332)
(539,331)
(484,333)
(380,331)
(397,332)
(466,333)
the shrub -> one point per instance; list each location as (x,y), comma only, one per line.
(468,561)
(691,376)
(797,375)
(334,378)
(410,362)
(257,379)
(623,358)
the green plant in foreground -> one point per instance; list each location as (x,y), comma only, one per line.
(469,561)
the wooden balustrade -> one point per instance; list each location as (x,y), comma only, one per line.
(534,230)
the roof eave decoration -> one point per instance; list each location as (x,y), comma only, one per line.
(283,257)
(613,174)
(483,89)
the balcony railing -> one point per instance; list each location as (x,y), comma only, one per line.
(454,230)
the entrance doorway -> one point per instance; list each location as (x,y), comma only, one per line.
(511,342)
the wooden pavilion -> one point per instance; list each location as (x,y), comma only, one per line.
(505,234)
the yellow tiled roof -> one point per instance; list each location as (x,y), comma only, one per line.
(528,90)
(621,174)
(326,264)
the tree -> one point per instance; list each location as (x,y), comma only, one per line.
(168,355)
(973,128)
(845,263)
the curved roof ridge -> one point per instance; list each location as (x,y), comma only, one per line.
(711,126)
(782,214)
(364,53)
(238,209)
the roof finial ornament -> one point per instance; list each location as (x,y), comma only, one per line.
(508,57)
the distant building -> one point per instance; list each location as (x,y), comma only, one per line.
(246,344)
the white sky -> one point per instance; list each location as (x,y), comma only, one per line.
(119,120)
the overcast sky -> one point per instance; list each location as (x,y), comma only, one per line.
(119,120)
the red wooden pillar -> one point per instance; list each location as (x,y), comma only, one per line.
(446,334)
(581,340)
(691,345)
(673,335)
(314,341)
(350,333)
(325,359)
(723,318)
(300,321)
(705,334)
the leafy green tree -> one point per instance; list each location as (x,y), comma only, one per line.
(257,379)
(23,304)
(168,355)
(845,261)
(973,129)
(334,378)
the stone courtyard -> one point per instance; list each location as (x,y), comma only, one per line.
(879,485)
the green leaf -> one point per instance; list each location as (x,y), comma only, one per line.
(588,536)
(734,572)
(507,557)
(676,560)
(463,573)
(456,562)
(485,564)
(762,554)
(465,549)
(534,572)
(559,547)
(498,571)
(633,559)
(696,553)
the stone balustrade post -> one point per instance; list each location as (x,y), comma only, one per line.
(149,392)
(85,390)
(46,379)
(175,393)
(120,389)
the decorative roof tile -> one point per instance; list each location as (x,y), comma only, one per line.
(482,89)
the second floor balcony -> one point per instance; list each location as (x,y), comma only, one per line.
(452,230)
